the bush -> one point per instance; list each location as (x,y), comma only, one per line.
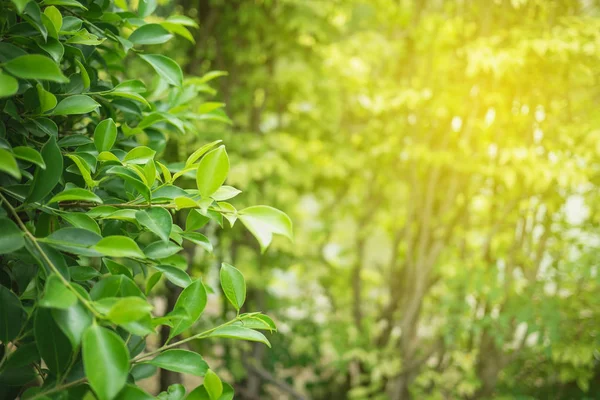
(87,207)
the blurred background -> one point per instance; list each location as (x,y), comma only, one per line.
(440,160)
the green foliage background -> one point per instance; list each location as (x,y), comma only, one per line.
(439,159)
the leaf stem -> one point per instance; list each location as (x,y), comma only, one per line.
(200,335)
(58,388)
(34,241)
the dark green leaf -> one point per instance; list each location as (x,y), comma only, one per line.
(11,237)
(105,135)
(46,179)
(192,302)
(12,315)
(54,347)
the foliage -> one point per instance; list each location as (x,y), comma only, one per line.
(88,208)
(442,159)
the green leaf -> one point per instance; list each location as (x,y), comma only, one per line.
(225,193)
(191,301)
(11,237)
(73,322)
(157,220)
(233,284)
(66,3)
(177,276)
(161,249)
(44,180)
(76,105)
(56,294)
(54,16)
(152,281)
(74,240)
(8,164)
(212,171)
(150,34)
(8,85)
(119,246)
(105,135)
(115,286)
(239,332)
(264,221)
(83,273)
(128,309)
(168,69)
(35,66)
(84,170)
(106,361)
(54,346)
(76,194)
(30,155)
(183,361)
(213,385)
(174,392)
(199,239)
(139,155)
(47,99)
(86,38)
(131,392)
(20,5)
(195,220)
(200,152)
(12,315)
(146,7)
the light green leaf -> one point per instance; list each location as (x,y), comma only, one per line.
(191,301)
(139,155)
(233,284)
(157,220)
(85,77)
(239,332)
(177,276)
(225,193)
(86,38)
(76,194)
(119,246)
(212,171)
(30,155)
(213,385)
(200,152)
(35,66)
(106,361)
(105,135)
(84,169)
(8,164)
(150,34)
(47,99)
(199,239)
(264,221)
(54,16)
(146,7)
(168,69)
(128,309)
(56,294)
(8,85)
(183,361)
(75,105)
